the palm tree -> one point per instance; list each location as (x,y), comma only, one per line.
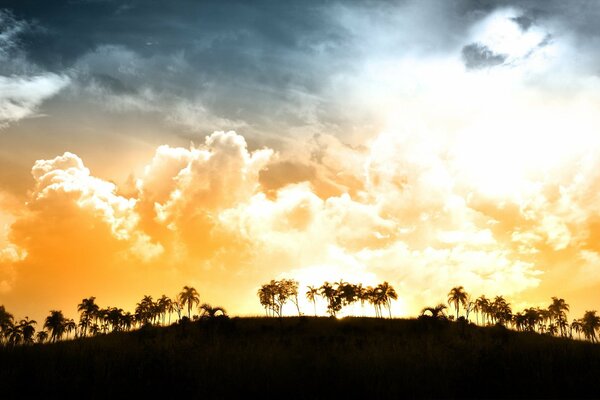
(532,318)
(171,308)
(481,307)
(94,329)
(89,312)
(520,321)
(458,296)
(55,323)
(144,310)
(545,320)
(334,303)
(591,323)
(311,295)
(558,310)
(189,296)
(27,329)
(386,294)
(70,326)
(289,287)
(14,334)
(42,336)
(164,305)
(127,320)
(361,293)
(114,317)
(6,322)
(437,312)
(266,296)
(374,298)
(577,326)
(501,311)
(209,312)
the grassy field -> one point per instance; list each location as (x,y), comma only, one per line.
(306,358)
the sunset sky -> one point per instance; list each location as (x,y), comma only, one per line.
(148,145)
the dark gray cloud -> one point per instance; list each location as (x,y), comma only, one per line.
(477,55)
(524,22)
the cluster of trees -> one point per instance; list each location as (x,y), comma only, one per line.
(552,320)
(94,320)
(275,294)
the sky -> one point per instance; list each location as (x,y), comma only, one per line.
(148,145)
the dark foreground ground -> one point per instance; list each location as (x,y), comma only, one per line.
(305,358)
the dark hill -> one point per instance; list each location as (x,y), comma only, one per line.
(306,358)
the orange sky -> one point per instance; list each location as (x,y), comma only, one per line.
(487,178)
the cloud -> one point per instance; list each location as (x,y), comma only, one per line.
(416,219)
(74,235)
(70,213)
(21,96)
(10,29)
(23,87)
(477,55)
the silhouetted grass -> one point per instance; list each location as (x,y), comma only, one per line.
(307,357)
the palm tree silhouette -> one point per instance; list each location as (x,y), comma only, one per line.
(27,329)
(481,307)
(457,296)
(42,336)
(55,323)
(127,320)
(114,317)
(266,296)
(144,310)
(6,322)
(290,286)
(89,313)
(311,295)
(532,318)
(436,312)
(386,294)
(14,334)
(347,292)
(373,298)
(334,303)
(558,311)
(171,308)
(209,312)
(361,293)
(520,321)
(94,329)
(591,323)
(70,326)
(164,304)
(189,296)
(577,326)
(500,310)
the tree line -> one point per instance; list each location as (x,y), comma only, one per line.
(94,320)
(552,320)
(275,294)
